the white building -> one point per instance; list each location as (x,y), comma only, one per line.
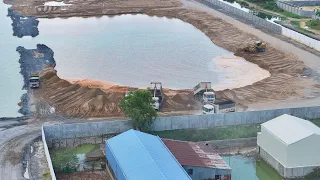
(290,144)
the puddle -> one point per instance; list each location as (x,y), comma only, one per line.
(54,3)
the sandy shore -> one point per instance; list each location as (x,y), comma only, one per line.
(238,72)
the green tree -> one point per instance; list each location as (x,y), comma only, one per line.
(138,106)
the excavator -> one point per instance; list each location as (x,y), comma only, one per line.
(258,46)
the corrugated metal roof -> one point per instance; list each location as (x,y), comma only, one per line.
(195,154)
(290,129)
(143,156)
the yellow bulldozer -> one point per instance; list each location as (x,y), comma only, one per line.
(258,46)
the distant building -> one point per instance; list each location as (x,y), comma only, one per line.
(290,145)
(134,155)
(200,161)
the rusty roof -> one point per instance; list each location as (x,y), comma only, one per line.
(195,154)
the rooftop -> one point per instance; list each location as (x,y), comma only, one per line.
(143,156)
(195,154)
(290,129)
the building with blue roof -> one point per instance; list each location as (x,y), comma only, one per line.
(134,155)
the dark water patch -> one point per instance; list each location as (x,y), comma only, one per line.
(33,61)
(23,25)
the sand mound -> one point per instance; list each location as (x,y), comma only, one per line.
(76,100)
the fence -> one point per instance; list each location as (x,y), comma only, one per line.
(264,24)
(315,44)
(255,20)
(89,129)
(294,7)
(46,151)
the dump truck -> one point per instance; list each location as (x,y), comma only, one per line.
(157,95)
(34,80)
(220,106)
(204,93)
(258,46)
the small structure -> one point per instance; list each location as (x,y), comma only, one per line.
(135,155)
(290,145)
(200,161)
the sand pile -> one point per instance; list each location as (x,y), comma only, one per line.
(77,100)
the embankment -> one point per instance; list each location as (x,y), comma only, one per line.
(32,60)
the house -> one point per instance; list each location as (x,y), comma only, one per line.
(134,155)
(290,145)
(200,161)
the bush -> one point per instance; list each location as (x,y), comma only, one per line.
(243,4)
(314,24)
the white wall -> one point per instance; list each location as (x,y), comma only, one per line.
(273,146)
(305,152)
(315,44)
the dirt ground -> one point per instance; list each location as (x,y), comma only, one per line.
(96,175)
(293,70)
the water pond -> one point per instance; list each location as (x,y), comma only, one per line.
(128,50)
(248,168)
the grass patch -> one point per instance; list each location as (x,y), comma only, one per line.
(271,5)
(296,24)
(314,175)
(314,24)
(195,135)
(46,175)
(316,122)
(67,157)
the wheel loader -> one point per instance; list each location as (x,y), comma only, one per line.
(258,46)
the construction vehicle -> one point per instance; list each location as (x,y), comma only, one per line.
(157,95)
(258,46)
(208,109)
(220,106)
(34,80)
(204,93)
(224,106)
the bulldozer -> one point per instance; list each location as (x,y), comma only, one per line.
(258,46)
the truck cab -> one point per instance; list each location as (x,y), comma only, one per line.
(34,81)
(209,97)
(208,109)
(157,95)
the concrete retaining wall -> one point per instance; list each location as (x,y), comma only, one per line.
(91,129)
(46,151)
(241,142)
(295,7)
(255,20)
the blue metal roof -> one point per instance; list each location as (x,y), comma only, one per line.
(142,156)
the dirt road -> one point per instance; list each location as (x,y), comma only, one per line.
(309,59)
(12,143)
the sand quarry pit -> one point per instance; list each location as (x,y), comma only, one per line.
(87,98)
